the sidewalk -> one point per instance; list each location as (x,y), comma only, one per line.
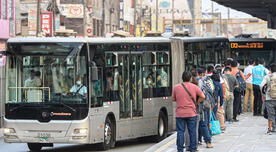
(247,135)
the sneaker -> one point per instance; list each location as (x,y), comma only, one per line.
(269,132)
(235,120)
(199,143)
(209,145)
(192,150)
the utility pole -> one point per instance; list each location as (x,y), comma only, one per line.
(103,17)
(212,7)
(38,17)
(134,17)
(84,18)
(156,15)
(228,17)
(172,15)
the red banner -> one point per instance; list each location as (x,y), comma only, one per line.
(47,23)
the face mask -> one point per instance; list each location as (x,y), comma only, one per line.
(78,82)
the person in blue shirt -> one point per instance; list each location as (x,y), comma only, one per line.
(258,74)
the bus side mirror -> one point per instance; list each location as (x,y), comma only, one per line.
(94,72)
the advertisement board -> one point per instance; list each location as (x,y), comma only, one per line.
(47,23)
(72,10)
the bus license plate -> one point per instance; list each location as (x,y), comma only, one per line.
(44,135)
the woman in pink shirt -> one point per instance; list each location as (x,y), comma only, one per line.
(187,96)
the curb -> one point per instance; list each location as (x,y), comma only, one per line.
(1,132)
(163,144)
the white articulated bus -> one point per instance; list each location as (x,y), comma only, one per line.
(89,90)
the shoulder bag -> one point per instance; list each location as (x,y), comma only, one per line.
(196,105)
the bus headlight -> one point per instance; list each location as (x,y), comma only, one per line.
(8,130)
(81,131)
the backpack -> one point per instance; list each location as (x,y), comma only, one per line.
(242,83)
(208,90)
(227,94)
(272,87)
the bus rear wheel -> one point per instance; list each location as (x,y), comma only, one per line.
(109,135)
(34,146)
(162,127)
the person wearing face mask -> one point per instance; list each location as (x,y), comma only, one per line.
(79,87)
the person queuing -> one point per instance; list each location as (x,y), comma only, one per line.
(185,94)
(270,97)
(258,74)
(203,130)
(232,84)
(249,86)
(218,95)
(238,90)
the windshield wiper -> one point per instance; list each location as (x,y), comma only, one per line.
(21,106)
(65,105)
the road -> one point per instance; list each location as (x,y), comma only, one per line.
(123,146)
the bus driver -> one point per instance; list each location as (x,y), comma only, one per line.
(79,87)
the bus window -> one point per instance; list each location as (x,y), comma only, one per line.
(162,57)
(111,77)
(97,56)
(149,58)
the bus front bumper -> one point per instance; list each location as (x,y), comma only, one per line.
(32,131)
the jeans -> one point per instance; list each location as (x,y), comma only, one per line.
(236,104)
(257,100)
(180,127)
(203,129)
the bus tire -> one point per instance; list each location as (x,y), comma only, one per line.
(162,129)
(34,146)
(109,132)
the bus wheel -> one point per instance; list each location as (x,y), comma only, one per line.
(109,133)
(162,127)
(34,146)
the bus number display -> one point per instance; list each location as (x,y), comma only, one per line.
(247,46)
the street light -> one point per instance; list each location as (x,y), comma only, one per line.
(111,11)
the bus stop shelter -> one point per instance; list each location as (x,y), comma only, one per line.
(263,9)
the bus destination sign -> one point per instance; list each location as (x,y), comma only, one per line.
(247,45)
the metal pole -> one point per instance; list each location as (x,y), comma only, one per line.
(134,17)
(212,7)
(220,25)
(84,18)
(156,15)
(228,17)
(37,18)
(54,4)
(172,15)
(103,18)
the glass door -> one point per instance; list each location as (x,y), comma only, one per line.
(136,85)
(130,85)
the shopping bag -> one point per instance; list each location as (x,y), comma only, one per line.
(215,125)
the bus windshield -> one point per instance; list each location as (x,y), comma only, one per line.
(46,73)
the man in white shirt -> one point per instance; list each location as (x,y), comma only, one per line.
(79,87)
(249,87)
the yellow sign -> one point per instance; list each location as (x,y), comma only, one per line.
(247,46)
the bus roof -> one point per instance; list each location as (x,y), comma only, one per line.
(45,40)
(89,40)
(201,39)
(252,40)
(129,40)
